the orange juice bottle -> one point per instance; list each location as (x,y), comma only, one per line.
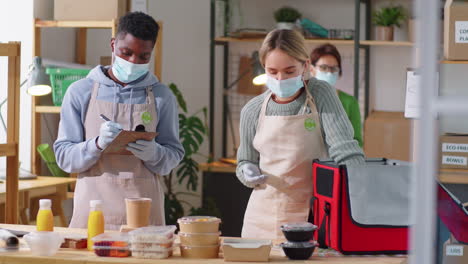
(45,219)
(95,221)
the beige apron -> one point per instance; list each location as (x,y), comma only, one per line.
(287,146)
(116,177)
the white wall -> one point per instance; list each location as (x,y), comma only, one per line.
(16,25)
(186,40)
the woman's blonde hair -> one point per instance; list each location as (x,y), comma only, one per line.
(289,41)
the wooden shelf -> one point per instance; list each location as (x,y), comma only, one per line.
(319,41)
(7,150)
(453,62)
(8,49)
(387,43)
(459,176)
(308,41)
(47,109)
(75,24)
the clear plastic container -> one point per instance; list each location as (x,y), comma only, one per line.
(153,234)
(152,254)
(151,246)
(112,251)
(111,245)
(200,252)
(199,224)
(199,239)
(43,243)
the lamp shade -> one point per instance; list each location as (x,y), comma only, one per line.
(39,82)
(258,70)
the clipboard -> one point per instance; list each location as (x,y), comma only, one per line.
(119,144)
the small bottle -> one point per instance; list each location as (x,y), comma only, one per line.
(95,221)
(45,218)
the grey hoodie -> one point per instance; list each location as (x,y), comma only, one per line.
(75,154)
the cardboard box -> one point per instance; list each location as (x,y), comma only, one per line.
(454,252)
(453,151)
(456,30)
(89,9)
(246,250)
(387,135)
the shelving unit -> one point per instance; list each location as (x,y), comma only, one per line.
(80,57)
(358,45)
(10,150)
(221,40)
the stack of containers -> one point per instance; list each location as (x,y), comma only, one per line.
(299,244)
(111,245)
(199,236)
(154,242)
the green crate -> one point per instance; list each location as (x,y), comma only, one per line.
(48,156)
(61,78)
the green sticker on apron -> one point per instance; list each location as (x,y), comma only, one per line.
(309,124)
(146,118)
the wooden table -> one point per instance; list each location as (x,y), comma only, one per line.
(54,187)
(84,256)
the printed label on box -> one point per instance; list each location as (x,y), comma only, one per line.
(461,31)
(452,147)
(454,160)
(453,250)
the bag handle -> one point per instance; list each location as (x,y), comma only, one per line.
(322,232)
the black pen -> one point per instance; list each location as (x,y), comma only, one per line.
(105,118)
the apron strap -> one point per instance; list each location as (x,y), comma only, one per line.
(94,92)
(263,109)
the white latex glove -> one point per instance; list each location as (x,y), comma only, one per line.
(252,174)
(143,149)
(109,130)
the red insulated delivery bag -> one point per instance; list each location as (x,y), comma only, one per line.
(362,209)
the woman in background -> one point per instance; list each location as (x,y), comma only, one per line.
(325,65)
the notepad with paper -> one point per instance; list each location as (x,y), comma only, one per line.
(119,144)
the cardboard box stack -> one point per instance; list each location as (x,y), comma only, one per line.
(89,9)
(388,135)
(456,30)
(454,151)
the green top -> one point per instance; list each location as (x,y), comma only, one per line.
(351,107)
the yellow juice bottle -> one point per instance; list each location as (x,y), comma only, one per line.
(95,221)
(45,218)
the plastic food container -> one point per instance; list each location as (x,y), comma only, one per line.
(199,239)
(43,243)
(201,252)
(199,224)
(153,234)
(246,250)
(151,246)
(298,250)
(298,232)
(152,254)
(111,245)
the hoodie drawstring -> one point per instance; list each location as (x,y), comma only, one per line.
(114,109)
(130,119)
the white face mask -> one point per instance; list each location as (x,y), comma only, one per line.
(126,71)
(284,88)
(329,77)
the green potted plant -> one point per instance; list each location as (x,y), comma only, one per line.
(193,131)
(385,19)
(286,17)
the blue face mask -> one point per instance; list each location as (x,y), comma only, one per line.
(284,88)
(329,77)
(126,71)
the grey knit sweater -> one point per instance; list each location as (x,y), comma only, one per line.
(336,128)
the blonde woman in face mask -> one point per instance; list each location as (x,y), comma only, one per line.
(325,65)
(282,131)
